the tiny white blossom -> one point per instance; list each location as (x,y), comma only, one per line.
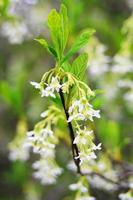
(48,91)
(86,156)
(82,110)
(78,104)
(83,136)
(47,171)
(42,143)
(125,196)
(78,186)
(87,198)
(19,153)
(131,185)
(122,64)
(35,84)
(55,85)
(98,147)
(93,113)
(44,114)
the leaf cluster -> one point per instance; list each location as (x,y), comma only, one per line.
(59,30)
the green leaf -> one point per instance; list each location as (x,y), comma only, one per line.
(79,65)
(58,25)
(67,67)
(64,26)
(49,48)
(54,24)
(81,41)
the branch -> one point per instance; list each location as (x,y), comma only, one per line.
(75,150)
(120,185)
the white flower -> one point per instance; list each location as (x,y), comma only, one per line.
(100,183)
(82,110)
(42,142)
(19,153)
(99,63)
(48,91)
(46,132)
(71,166)
(35,84)
(87,198)
(78,186)
(86,156)
(128,96)
(47,171)
(122,64)
(131,185)
(16,31)
(83,137)
(77,116)
(125,196)
(98,147)
(93,113)
(77,104)
(54,86)
(125,83)
(44,114)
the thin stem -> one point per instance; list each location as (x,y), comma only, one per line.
(120,185)
(75,150)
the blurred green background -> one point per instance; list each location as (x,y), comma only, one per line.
(110,73)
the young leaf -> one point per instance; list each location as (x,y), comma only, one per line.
(79,65)
(64,26)
(54,24)
(79,43)
(67,67)
(49,48)
(58,25)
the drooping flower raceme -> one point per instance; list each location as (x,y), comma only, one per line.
(16,147)
(84,141)
(43,141)
(47,170)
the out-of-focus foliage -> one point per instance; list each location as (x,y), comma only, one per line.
(110,73)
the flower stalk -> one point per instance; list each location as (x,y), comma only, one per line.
(75,149)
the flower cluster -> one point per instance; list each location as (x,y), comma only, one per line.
(82,190)
(28,16)
(43,142)
(82,110)
(126,196)
(50,89)
(99,61)
(84,141)
(47,170)
(17,151)
(122,64)
(96,167)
